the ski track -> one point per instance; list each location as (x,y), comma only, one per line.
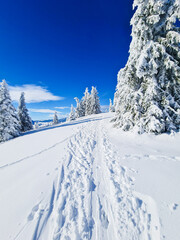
(34,155)
(93,197)
(161,158)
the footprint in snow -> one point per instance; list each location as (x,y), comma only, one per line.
(92,186)
(173,206)
(34,210)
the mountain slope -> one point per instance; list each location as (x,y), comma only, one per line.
(86,180)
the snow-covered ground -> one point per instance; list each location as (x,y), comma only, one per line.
(87,180)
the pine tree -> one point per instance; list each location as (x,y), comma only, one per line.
(25,120)
(55,119)
(94,103)
(72,114)
(148,90)
(111,107)
(9,121)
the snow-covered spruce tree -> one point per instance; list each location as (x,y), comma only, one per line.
(94,102)
(36,125)
(111,107)
(9,121)
(87,102)
(79,108)
(72,114)
(55,119)
(25,120)
(147,95)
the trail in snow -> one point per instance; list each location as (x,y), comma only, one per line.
(131,216)
(86,180)
(93,196)
(72,214)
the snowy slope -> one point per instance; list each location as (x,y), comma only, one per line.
(86,180)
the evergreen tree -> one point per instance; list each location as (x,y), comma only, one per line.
(94,103)
(88,105)
(72,114)
(25,120)
(148,90)
(79,108)
(111,107)
(9,121)
(36,125)
(55,119)
(87,102)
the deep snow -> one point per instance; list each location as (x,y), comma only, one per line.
(87,180)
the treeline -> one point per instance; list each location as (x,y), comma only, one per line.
(12,121)
(89,104)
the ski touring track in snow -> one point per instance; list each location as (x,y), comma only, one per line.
(93,197)
(34,155)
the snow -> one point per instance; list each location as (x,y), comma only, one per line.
(150,78)
(87,180)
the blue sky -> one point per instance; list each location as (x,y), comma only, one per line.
(54,49)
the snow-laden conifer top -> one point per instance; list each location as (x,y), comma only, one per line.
(147,95)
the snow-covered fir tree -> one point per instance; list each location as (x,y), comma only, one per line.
(94,102)
(111,107)
(36,125)
(87,102)
(147,95)
(72,114)
(79,108)
(9,121)
(25,120)
(55,119)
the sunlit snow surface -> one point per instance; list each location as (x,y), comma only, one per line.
(87,180)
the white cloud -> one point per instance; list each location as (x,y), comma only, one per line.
(33,93)
(61,107)
(43,110)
